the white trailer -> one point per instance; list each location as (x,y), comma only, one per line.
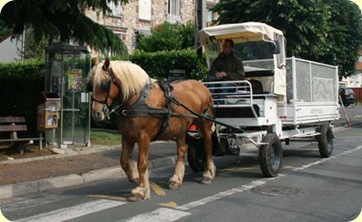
(281,99)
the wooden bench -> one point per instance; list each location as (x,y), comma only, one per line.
(12,125)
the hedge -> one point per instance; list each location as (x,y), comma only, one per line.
(158,64)
(20,87)
(22,83)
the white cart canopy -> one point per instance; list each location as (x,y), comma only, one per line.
(239,32)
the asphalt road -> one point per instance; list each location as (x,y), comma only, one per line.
(309,188)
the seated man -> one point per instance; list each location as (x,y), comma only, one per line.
(226,66)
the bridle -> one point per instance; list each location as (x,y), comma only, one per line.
(106,87)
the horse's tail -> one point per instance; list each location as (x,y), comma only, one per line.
(210,112)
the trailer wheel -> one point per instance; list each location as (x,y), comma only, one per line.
(325,141)
(195,153)
(271,155)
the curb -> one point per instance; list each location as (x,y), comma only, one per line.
(60,153)
(15,190)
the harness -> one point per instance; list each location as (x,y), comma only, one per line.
(140,108)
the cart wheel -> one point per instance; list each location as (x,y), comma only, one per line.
(195,153)
(325,141)
(271,155)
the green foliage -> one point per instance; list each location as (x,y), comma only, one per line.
(315,29)
(105,138)
(34,48)
(168,37)
(303,23)
(345,36)
(22,84)
(4,30)
(158,64)
(62,20)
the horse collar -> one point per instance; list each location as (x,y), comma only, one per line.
(140,104)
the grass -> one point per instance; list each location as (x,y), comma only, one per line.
(105,138)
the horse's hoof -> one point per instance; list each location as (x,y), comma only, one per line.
(206,181)
(134,198)
(173,185)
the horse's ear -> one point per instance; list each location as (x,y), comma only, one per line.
(106,64)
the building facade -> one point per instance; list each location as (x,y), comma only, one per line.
(139,16)
(355,81)
(10,49)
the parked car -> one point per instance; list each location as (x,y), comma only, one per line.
(347,95)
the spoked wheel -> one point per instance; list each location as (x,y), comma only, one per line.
(325,140)
(271,155)
(195,153)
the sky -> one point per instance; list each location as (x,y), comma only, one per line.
(358,2)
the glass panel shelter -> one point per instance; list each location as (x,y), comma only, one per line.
(66,74)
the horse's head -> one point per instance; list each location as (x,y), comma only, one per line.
(105,88)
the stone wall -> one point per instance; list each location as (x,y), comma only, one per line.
(128,23)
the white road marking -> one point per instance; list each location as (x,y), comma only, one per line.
(243,188)
(34,202)
(179,212)
(326,159)
(73,212)
(160,214)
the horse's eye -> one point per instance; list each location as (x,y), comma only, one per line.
(89,87)
(106,85)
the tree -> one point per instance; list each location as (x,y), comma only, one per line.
(34,48)
(312,27)
(168,37)
(345,36)
(61,20)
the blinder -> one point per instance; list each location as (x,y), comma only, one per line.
(106,86)
(89,87)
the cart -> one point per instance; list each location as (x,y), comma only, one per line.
(281,99)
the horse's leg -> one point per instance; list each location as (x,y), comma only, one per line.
(178,175)
(129,166)
(210,169)
(142,191)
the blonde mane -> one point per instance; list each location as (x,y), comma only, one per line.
(131,77)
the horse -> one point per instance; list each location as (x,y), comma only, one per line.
(150,110)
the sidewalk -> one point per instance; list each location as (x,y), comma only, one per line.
(73,167)
(80,166)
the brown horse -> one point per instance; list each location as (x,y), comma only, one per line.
(151,111)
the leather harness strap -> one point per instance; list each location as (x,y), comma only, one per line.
(140,108)
(166,88)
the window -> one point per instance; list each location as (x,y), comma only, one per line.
(210,18)
(116,9)
(173,13)
(144,10)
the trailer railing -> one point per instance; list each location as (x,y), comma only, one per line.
(231,93)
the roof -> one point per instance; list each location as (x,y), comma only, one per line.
(64,48)
(240,32)
(358,66)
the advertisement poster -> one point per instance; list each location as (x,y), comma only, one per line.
(74,79)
